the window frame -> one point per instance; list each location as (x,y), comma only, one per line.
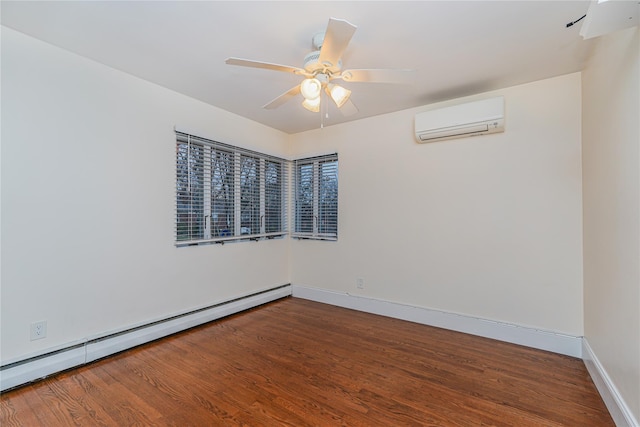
(309,199)
(197,179)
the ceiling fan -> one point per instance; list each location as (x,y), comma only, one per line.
(322,67)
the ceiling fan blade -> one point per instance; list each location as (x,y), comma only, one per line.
(348,108)
(266,65)
(336,39)
(283,98)
(378,75)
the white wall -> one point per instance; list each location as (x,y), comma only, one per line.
(487,226)
(611,157)
(88,181)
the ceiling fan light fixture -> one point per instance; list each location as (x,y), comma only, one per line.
(312,105)
(339,94)
(310,89)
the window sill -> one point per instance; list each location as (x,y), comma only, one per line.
(231,239)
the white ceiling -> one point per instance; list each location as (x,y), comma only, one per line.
(457,48)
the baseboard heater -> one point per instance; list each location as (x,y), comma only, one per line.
(33,368)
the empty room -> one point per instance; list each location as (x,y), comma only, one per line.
(359,213)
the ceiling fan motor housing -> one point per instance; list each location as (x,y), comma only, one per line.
(313,65)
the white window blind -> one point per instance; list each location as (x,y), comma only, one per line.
(225,192)
(316,197)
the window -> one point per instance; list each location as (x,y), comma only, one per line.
(316,201)
(227,193)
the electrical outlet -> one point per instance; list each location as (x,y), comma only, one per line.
(38,330)
(360,283)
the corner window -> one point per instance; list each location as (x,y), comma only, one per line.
(316,199)
(227,193)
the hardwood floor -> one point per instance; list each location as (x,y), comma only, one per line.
(296,362)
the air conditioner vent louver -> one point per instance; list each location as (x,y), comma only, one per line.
(458,121)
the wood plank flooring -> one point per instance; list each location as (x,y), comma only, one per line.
(299,363)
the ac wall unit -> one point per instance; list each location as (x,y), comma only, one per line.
(470,119)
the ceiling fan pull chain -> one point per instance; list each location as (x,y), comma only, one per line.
(323,102)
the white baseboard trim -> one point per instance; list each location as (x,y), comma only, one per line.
(616,405)
(18,374)
(535,338)
(50,362)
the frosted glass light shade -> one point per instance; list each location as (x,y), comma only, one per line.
(312,105)
(339,94)
(310,88)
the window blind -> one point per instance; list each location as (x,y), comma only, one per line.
(316,197)
(225,192)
